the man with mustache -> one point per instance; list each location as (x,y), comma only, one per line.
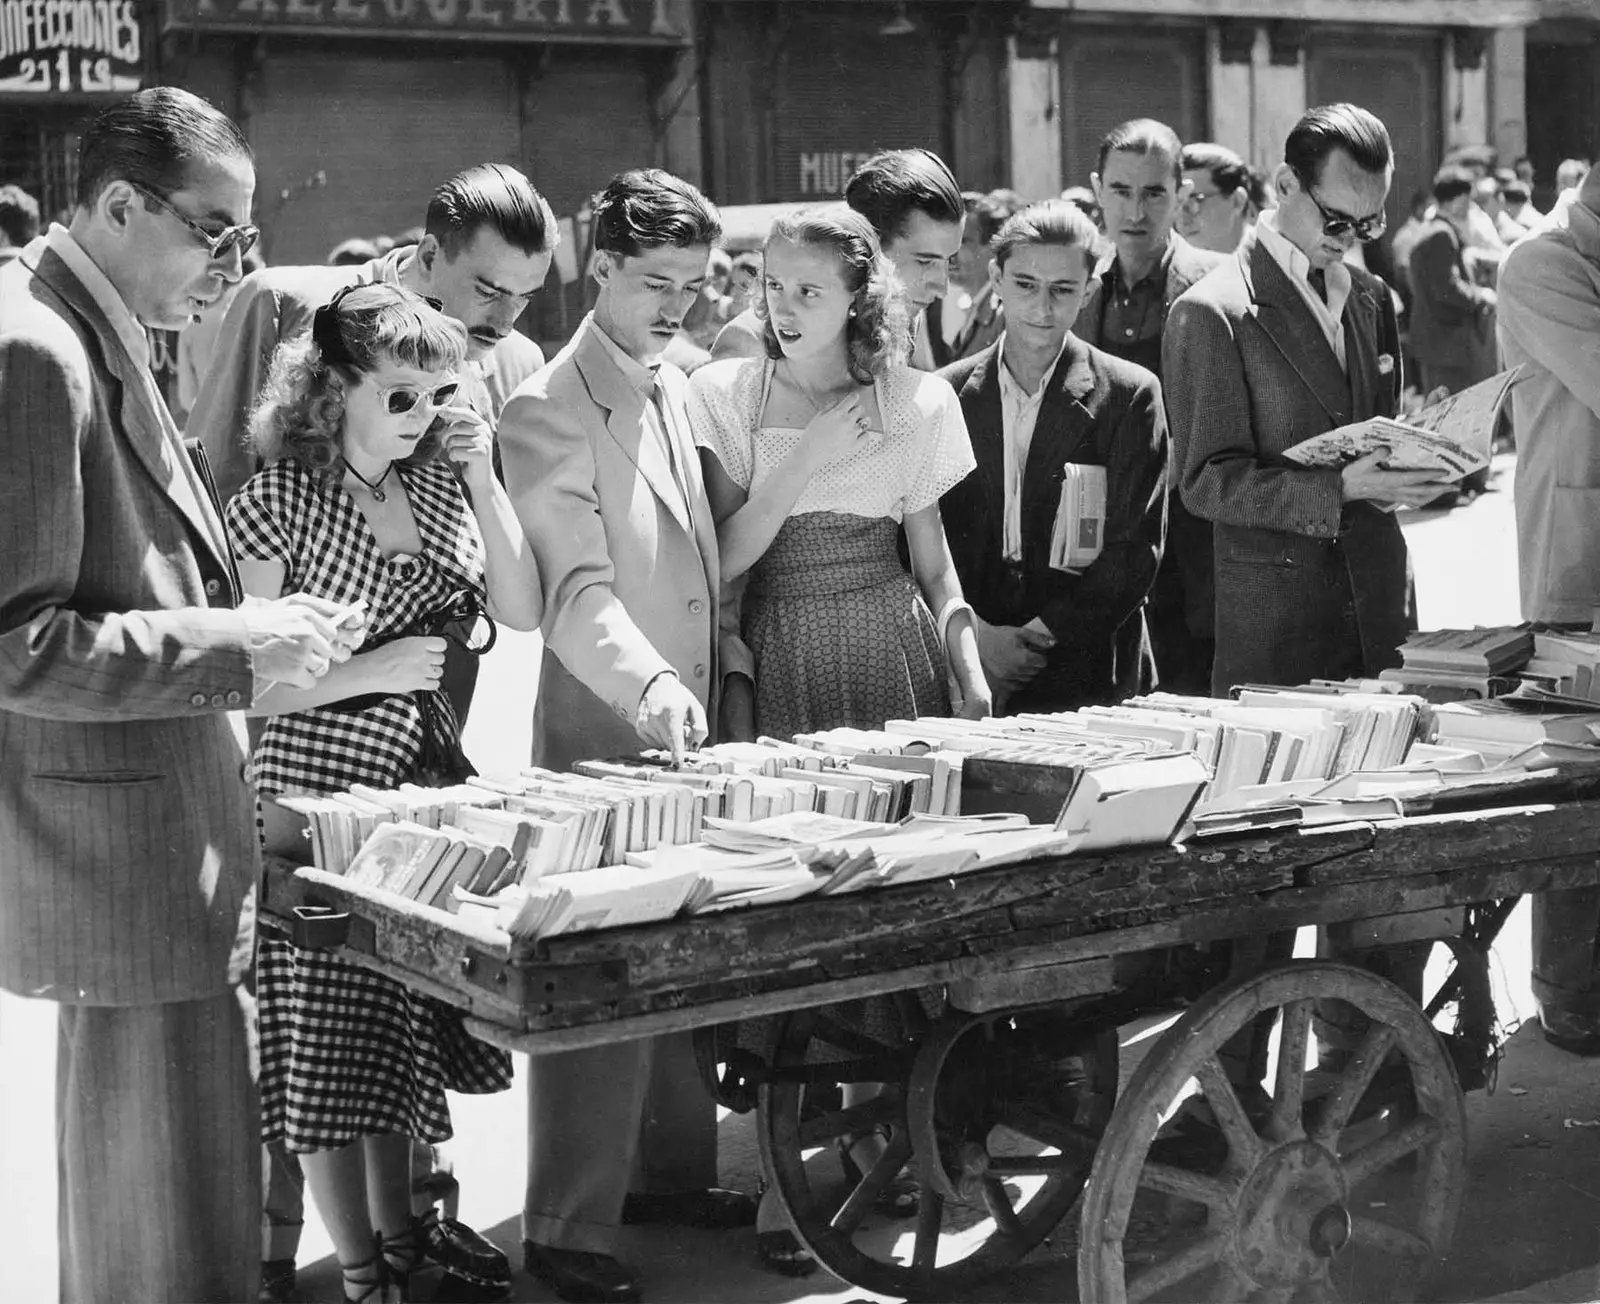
(602,468)
(485,252)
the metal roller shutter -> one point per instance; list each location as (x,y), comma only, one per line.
(1112,74)
(385,127)
(842,91)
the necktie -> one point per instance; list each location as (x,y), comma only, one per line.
(1317,279)
(662,412)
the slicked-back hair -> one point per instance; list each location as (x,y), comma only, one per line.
(1328,127)
(493,196)
(1142,136)
(649,209)
(151,139)
(19,214)
(1451,182)
(892,185)
(1052,222)
(1228,172)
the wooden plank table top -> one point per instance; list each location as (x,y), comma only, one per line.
(1460,846)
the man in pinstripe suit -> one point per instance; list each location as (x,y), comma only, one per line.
(127,841)
(1281,342)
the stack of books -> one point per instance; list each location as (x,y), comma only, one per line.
(1449,665)
(1566,664)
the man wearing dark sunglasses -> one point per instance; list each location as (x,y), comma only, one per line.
(1282,342)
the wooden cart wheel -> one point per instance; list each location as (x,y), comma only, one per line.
(1292,1190)
(997,1116)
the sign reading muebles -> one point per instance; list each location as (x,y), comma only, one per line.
(65,47)
(637,22)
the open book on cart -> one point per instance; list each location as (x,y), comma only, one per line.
(1455,436)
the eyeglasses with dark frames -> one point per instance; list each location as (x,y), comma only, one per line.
(220,244)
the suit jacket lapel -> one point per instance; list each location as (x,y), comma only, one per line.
(980,397)
(144,420)
(1064,424)
(1289,324)
(626,423)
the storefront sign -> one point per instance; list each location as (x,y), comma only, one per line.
(69,47)
(635,22)
(824,172)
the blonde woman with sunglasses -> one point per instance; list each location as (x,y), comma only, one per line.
(367,453)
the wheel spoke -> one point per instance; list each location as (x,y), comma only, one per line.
(872,1184)
(1243,1142)
(930,1222)
(1353,1082)
(1026,1165)
(1374,1158)
(1288,1097)
(1180,1267)
(1212,1192)
(1388,1239)
(1047,1128)
(1000,1208)
(850,1121)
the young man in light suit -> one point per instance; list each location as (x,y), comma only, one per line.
(606,480)
(127,832)
(1036,400)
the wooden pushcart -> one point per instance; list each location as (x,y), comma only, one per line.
(1243,1159)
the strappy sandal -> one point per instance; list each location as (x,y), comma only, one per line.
(900,1196)
(400,1255)
(371,1281)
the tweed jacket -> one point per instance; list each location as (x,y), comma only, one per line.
(629,562)
(1186,266)
(1449,312)
(985,323)
(276,304)
(1549,318)
(1248,374)
(1097,410)
(127,838)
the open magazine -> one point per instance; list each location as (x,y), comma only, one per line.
(1455,436)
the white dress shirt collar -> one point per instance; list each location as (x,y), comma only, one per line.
(1019,414)
(1297,267)
(59,240)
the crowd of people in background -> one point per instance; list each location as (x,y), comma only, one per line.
(795,488)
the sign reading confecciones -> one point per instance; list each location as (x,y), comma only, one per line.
(69,47)
(621,22)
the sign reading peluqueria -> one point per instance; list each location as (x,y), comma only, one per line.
(625,22)
(69,47)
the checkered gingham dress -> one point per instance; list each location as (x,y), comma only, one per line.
(345,1052)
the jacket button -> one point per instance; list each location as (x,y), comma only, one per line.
(234,698)
(700,670)
(213,587)
(217,699)
(696,607)
(623,712)
(197,699)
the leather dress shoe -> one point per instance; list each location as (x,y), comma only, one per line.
(714,1209)
(580,1277)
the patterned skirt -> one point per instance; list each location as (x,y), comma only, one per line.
(347,1053)
(840,634)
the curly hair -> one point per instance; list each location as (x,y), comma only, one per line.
(878,333)
(300,413)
